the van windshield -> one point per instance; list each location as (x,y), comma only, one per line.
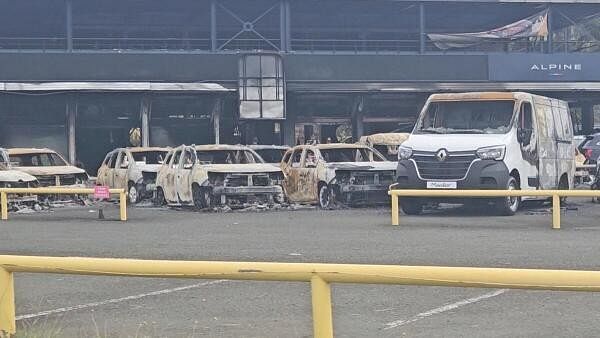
(467,117)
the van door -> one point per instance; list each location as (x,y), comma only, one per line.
(170,188)
(103,170)
(308,179)
(565,152)
(547,146)
(527,136)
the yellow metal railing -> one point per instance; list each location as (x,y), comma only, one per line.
(555,194)
(4,192)
(318,275)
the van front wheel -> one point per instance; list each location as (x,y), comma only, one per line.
(508,206)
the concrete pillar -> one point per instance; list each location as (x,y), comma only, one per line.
(358,128)
(587,112)
(145,111)
(216,117)
(289,125)
(71,110)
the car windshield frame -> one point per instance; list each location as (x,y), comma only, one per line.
(377,157)
(271,152)
(469,116)
(155,154)
(233,154)
(54,160)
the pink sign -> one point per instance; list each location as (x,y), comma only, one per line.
(101,192)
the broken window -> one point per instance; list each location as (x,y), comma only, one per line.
(350,155)
(38,160)
(310,160)
(467,117)
(261,87)
(176,158)
(296,157)
(149,157)
(227,157)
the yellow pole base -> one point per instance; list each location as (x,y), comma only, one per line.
(321,306)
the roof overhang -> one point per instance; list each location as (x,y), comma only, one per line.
(113,86)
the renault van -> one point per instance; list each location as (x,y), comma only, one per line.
(487,140)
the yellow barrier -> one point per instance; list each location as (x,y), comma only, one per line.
(555,194)
(59,191)
(318,275)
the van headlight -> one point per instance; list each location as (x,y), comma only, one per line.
(492,153)
(404,153)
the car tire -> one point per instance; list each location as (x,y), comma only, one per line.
(411,206)
(206,198)
(326,197)
(133,194)
(160,199)
(508,206)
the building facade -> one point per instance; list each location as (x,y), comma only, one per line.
(83,76)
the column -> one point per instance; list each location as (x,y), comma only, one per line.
(71,109)
(69,24)
(216,117)
(145,108)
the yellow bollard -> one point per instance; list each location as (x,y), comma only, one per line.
(123,205)
(4,205)
(395,211)
(7,304)
(555,212)
(321,307)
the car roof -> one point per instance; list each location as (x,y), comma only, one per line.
(333,146)
(221,147)
(266,146)
(23,151)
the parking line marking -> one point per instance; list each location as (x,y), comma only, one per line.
(118,300)
(444,308)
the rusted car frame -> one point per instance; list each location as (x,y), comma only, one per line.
(48,167)
(133,169)
(209,175)
(331,173)
(10,178)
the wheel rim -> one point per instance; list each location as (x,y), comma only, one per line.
(160,197)
(207,199)
(324,197)
(132,194)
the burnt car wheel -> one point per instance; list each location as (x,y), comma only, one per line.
(326,197)
(203,197)
(160,197)
(133,194)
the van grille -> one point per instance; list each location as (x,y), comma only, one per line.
(454,167)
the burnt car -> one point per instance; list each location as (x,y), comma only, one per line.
(270,153)
(48,167)
(10,178)
(386,143)
(210,175)
(133,169)
(336,172)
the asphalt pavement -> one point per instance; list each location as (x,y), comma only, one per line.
(80,306)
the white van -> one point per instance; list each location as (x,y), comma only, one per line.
(488,140)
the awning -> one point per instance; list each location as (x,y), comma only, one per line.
(114,86)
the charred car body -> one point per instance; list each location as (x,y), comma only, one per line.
(208,175)
(48,167)
(10,178)
(337,172)
(270,153)
(133,169)
(386,143)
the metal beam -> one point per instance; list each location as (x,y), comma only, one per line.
(213,26)
(282,26)
(550,47)
(216,114)
(69,24)
(422,37)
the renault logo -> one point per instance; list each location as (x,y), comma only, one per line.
(441,155)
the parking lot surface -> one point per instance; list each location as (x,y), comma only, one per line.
(75,306)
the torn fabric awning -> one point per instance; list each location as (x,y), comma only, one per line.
(533,26)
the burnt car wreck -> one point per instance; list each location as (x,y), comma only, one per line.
(212,175)
(10,178)
(326,174)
